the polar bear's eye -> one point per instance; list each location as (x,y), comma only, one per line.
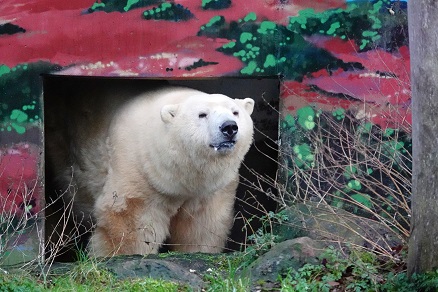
(202,115)
(236,113)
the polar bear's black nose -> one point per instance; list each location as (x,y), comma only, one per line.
(229,129)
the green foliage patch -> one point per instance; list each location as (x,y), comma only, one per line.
(360,22)
(20,95)
(268,48)
(168,11)
(365,22)
(120,5)
(346,274)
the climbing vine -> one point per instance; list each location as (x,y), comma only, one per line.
(357,165)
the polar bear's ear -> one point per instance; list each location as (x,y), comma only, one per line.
(247,103)
(168,112)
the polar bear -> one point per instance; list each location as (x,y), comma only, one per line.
(160,165)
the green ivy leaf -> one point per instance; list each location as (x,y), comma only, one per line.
(363,199)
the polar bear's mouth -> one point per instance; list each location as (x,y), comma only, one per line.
(224,146)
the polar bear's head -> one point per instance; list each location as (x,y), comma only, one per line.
(211,124)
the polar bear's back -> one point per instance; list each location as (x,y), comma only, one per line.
(79,142)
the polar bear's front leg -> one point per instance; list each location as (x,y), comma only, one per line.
(203,224)
(130,226)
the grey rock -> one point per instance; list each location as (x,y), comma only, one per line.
(323,223)
(289,254)
(138,266)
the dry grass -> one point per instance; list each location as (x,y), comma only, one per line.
(352,176)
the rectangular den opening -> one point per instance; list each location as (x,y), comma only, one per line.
(64,96)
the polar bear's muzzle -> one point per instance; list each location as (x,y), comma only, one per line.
(229,130)
(223,146)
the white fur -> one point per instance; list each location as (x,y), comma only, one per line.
(149,168)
